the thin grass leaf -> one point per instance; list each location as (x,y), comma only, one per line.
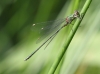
(71,35)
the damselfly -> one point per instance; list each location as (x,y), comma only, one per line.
(67,21)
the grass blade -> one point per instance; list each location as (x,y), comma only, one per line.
(71,35)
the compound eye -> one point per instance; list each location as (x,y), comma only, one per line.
(76,14)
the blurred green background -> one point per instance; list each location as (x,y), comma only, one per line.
(17,40)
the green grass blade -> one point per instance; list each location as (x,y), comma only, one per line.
(72,33)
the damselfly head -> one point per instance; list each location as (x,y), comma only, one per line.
(77,14)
